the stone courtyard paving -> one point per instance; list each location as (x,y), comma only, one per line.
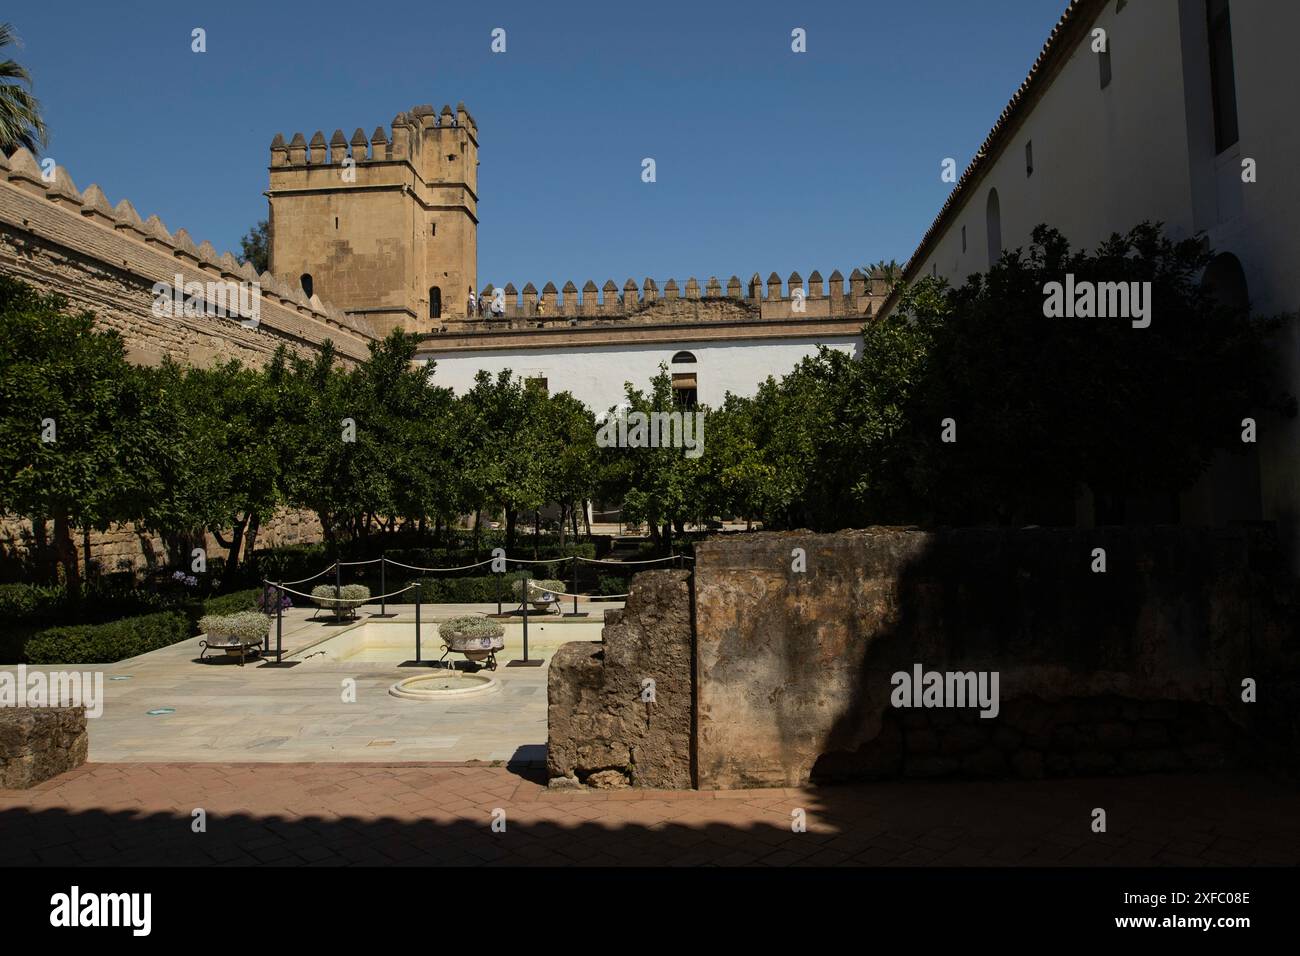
(220,711)
(406,814)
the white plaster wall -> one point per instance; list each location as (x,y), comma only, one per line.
(595,376)
(1143,148)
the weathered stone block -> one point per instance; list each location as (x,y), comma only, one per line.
(37,743)
(601,730)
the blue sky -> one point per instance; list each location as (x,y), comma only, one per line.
(766,159)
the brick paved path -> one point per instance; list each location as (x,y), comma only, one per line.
(336,814)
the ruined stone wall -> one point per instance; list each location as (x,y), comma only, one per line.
(37,743)
(1138,668)
(600,731)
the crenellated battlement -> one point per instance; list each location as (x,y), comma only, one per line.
(386,225)
(86,227)
(402,140)
(770,298)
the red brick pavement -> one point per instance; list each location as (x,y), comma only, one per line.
(424,814)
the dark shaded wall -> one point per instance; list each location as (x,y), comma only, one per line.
(1138,668)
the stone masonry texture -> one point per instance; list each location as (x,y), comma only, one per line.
(37,743)
(600,731)
(1139,668)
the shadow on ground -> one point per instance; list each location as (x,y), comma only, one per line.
(334,815)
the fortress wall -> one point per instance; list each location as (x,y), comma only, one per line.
(814,298)
(126,547)
(106,259)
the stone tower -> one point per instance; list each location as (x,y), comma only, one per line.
(385,229)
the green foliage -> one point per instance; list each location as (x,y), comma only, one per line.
(233,603)
(470,626)
(347,596)
(21,123)
(246,626)
(107,643)
(80,430)
(536,586)
(480,589)
(255,247)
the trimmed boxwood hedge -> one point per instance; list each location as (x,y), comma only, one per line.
(106,643)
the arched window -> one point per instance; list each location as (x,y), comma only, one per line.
(1224,281)
(993,217)
(682,358)
(435,302)
(305,281)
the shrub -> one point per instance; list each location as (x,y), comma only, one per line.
(468,590)
(107,643)
(536,586)
(247,626)
(470,626)
(235,601)
(612,584)
(27,602)
(269,601)
(347,596)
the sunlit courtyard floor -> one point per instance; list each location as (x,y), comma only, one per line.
(168,705)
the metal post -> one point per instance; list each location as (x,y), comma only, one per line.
(383,589)
(338,580)
(500,575)
(279,621)
(417,624)
(525,661)
(525,593)
(575,585)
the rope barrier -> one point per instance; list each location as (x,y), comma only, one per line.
(540,560)
(646,561)
(339,600)
(305,580)
(411,567)
(349,564)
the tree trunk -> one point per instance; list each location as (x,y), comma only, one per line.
(537,530)
(586,517)
(66,554)
(511,515)
(564,524)
(232,558)
(478,524)
(254,526)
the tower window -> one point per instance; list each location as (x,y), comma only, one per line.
(433,229)
(1103,59)
(1223,82)
(963,238)
(1029,158)
(305,281)
(435,302)
(683,357)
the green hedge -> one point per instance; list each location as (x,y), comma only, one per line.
(106,643)
(232,603)
(469,590)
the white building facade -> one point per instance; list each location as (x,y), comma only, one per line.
(1186,117)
